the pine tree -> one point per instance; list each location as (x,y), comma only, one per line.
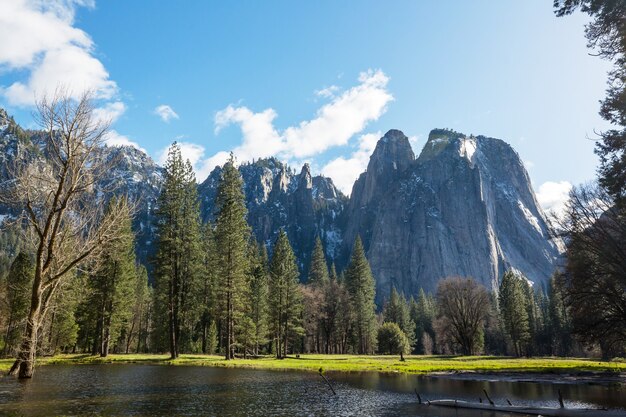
(318,270)
(318,281)
(257,295)
(231,236)
(396,310)
(332,274)
(136,328)
(514,312)
(558,319)
(285,299)
(19,282)
(207,296)
(361,286)
(423,314)
(112,285)
(191,262)
(178,251)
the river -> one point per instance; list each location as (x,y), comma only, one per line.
(157,390)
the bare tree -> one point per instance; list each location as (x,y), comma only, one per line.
(463,305)
(594,282)
(60,208)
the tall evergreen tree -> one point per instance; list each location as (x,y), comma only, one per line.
(191,263)
(396,310)
(231,235)
(257,296)
(423,314)
(135,331)
(318,270)
(112,284)
(207,296)
(19,282)
(558,319)
(332,274)
(284,295)
(361,286)
(179,251)
(514,312)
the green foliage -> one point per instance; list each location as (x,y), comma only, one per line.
(606,34)
(332,274)
(397,311)
(423,314)
(112,286)
(179,256)
(18,286)
(285,299)
(514,311)
(558,319)
(392,340)
(207,298)
(318,270)
(232,234)
(256,305)
(362,290)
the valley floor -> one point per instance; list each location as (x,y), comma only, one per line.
(355,363)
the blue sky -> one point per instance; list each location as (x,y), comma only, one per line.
(316,82)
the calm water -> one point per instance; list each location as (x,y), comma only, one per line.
(143,390)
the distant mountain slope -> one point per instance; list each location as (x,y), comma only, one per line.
(464,207)
(277,197)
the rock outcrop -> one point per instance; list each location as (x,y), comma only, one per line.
(465,207)
(279,198)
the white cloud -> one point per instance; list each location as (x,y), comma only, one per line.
(110,111)
(113,138)
(204,168)
(552,196)
(327,92)
(165,112)
(334,124)
(191,151)
(342,118)
(344,171)
(260,138)
(40,37)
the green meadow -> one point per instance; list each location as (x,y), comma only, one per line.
(352,363)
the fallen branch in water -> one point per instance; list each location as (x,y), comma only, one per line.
(321,371)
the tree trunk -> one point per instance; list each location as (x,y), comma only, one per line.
(96,338)
(24,365)
(7,347)
(228,325)
(106,336)
(171,320)
(204,335)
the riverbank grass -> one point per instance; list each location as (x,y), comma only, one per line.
(353,363)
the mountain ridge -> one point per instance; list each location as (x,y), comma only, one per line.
(463,206)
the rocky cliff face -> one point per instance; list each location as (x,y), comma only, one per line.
(391,158)
(464,207)
(277,197)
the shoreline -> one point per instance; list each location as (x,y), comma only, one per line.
(557,370)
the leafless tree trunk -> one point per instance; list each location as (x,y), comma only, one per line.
(65,220)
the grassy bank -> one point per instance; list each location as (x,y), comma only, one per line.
(351,363)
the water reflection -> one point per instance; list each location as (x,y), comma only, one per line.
(143,390)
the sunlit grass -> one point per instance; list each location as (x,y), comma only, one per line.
(353,363)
